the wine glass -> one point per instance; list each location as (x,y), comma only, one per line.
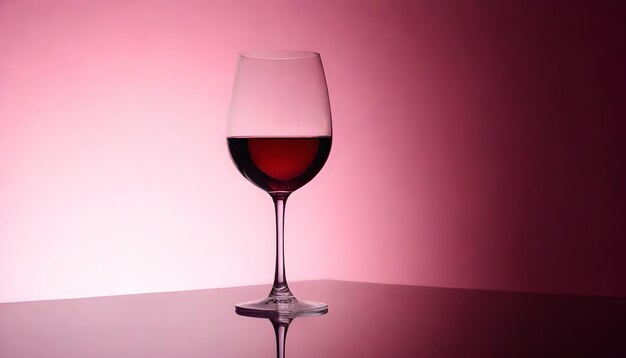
(279,137)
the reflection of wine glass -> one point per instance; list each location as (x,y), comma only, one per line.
(281,324)
(279,137)
(280,330)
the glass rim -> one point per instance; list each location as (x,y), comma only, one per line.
(279,55)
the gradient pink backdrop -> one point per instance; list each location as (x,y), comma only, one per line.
(477,144)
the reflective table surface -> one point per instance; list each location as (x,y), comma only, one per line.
(379,321)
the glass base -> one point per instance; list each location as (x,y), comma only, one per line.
(281,306)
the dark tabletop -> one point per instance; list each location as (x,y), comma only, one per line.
(364,320)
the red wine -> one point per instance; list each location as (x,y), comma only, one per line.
(281,164)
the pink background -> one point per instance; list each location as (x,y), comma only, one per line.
(477,144)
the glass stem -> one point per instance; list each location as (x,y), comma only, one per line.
(280,287)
